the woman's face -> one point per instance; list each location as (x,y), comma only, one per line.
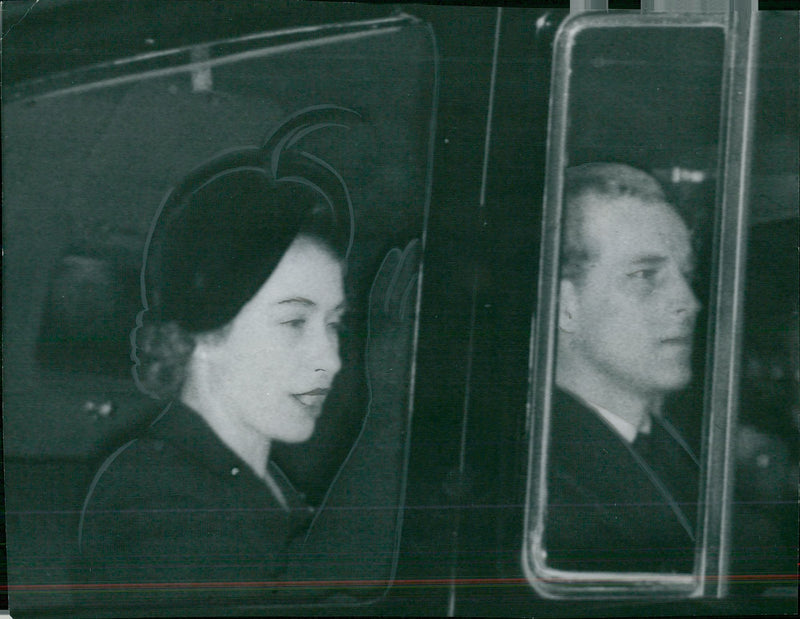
(272,368)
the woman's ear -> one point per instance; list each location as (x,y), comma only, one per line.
(567,306)
(199,370)
(200,350)
(202,355)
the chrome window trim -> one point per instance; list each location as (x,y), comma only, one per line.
(197,58)
(710,573)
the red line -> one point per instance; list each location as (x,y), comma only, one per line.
(336,583)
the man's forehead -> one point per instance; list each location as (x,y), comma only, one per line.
(633,228)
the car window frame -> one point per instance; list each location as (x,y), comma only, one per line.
(725,319)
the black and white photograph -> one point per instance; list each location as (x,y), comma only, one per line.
(364,308)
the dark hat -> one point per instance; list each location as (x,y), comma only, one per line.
(222,231)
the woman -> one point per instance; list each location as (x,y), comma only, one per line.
(244,297)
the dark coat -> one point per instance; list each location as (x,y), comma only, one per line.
(175,514)
(611,506)
(175,520)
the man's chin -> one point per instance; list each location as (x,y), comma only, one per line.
(680,381)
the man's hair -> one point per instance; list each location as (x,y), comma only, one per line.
(604,180)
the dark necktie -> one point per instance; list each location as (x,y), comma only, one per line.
(673,466)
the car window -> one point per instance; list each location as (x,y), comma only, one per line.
(88,158)
(628,438)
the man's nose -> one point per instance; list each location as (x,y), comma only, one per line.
(685,299)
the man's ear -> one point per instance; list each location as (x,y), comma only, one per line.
(567,306)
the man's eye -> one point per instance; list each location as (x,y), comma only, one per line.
(644,274)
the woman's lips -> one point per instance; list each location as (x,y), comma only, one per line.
(315,397)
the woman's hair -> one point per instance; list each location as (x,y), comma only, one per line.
(220,234)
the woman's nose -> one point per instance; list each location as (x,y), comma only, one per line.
(325,355)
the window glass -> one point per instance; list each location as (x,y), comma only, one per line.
(620,361)
(89,156)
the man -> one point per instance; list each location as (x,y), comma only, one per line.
(622,481)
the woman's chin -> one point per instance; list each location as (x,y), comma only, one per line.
(297,435)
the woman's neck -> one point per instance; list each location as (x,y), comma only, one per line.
(251,447)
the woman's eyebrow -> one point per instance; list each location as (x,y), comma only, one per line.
(298,300)
(342,307)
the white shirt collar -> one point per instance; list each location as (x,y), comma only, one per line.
(623,427)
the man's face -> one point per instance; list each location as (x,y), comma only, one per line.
(629,322)
(272,370)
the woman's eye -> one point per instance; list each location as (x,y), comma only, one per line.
(295,323)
